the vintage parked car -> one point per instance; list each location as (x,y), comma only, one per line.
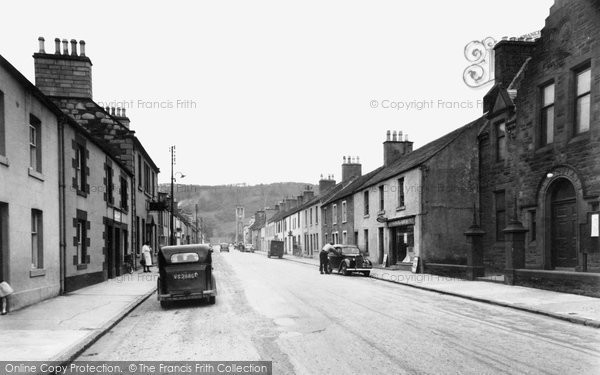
(275,249)
(249,247)
(185,272)
(224,247)
(347,259)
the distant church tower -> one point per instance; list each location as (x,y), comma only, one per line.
(239,223)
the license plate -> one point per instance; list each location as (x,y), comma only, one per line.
(185,276)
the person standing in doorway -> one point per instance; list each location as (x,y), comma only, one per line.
(147,256)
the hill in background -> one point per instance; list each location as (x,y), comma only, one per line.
(216,204)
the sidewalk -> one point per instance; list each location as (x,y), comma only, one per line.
(570,307)
(59,328)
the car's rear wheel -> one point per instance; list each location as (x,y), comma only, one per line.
(164,304)
(212,300)
(281,256)
(344,270)
(329,269)
(367,273)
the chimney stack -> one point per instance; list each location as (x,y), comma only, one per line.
(396,148)
(41,41)
(351,168)
(326,184)
(509,56)
(63,73)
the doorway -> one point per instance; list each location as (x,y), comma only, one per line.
(381,245)
(110,251)
(118,252)
(3,241)
(563,224)
(402,242)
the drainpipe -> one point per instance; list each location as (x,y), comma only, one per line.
(134,229)
(62,203)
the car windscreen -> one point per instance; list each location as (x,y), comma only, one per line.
(350,251)
(185,254)
(184,258)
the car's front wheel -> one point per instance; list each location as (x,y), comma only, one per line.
(344,269)
(367,273)
(164,304)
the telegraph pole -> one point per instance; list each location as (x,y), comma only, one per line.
(199,241)
(172,237)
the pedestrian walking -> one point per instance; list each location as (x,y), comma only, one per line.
(146,256)
(323,259)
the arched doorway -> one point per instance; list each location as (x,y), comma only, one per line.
(563,224)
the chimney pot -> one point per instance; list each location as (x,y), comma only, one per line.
(118,111)
(123,112)
(112,111)
(399,135)
(41,41)
(82,48)
(388,136)
(406,138)
(57,46)
(73,47)
(344,160)
(357,160)
(65,44)
(394,136)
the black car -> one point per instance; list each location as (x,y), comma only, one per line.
(223,247)
(185,272)
(347,259)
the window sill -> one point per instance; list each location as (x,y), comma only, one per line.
(366,216)
(580,137)
(4,161)
(82,193)
(400,208)
(37,272)
(81,267)
(381,212)
(545,148)
(35,174)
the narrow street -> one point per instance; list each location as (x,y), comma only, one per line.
(308,323)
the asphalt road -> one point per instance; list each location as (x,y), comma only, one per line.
(308,323)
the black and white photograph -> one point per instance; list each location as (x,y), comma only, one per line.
(300,187)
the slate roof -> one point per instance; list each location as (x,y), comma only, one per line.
(62,114)
(351,186)
(420,155)
(283,214)
(258,224)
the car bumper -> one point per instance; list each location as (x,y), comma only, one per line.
(358,269)
(186,296)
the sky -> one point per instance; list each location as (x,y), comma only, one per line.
(274,91)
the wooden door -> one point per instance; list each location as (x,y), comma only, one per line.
(564,235)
